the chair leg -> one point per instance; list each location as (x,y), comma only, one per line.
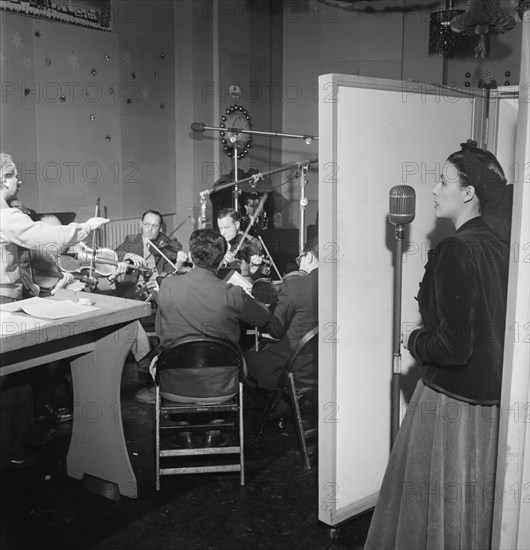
(299,426)
(241,437)
(271,405)
(157,437)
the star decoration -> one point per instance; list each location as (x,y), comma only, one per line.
(37,33)
(62,99)
(48,61)
(27,62)
(27,91)
(126,58)
(94,71)
(108,138)
(16,40)
(92,118)
(156,75)
(162,55)
(107,58)
(145,94)
(73,60)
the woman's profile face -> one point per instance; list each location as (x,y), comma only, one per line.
(448,193)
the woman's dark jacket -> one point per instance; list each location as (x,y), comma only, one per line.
(462,301)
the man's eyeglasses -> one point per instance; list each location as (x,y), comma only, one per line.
(299,258)
(151,225)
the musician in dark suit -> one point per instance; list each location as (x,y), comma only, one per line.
(295,314)
(135,248)
(244,252)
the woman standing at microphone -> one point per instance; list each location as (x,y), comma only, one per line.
(439,487)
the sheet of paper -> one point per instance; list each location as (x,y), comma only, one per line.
(43,308)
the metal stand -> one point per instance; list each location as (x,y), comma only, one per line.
(303,203)
(236,169)
(396,374)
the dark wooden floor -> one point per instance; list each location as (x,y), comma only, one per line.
(44,509)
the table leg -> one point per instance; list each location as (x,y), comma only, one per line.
(98,444)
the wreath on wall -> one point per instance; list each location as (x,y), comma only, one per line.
(237,122)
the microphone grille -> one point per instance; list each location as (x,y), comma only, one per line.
(198,127)
(402,207)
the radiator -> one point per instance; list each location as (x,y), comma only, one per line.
(115,231)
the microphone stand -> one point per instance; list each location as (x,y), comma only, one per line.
(303,167)
(236,188)
(396,338)
(303,203)
(199,127)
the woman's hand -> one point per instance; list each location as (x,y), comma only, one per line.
(95,223)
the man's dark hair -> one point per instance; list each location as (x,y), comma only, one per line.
(154,212)
(207,248)
(228,212)
(312,246)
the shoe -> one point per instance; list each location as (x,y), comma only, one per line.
(215,438)
(45,437)
(53,413)
(24,460)
(146,396)
(183,440)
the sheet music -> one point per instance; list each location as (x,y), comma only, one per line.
(44,308)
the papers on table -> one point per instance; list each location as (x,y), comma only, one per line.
(44,308)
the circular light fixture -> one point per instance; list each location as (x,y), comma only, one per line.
(236,120)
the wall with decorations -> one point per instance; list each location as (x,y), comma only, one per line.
(89,113)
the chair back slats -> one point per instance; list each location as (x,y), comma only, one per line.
(201,353)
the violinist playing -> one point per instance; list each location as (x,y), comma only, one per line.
(245,252)
(137,250)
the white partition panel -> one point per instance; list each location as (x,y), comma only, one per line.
(373,134)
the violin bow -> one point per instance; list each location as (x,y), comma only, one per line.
(151,243)
(253,218)
(95,239)
(270,257)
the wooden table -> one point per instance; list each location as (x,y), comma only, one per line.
(97,344)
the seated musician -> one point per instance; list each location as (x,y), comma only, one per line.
(199,304)
(245,252)
(136,248)
(19,230)
(295,314)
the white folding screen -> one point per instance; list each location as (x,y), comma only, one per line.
(373,134)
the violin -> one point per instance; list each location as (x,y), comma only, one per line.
(102,261)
